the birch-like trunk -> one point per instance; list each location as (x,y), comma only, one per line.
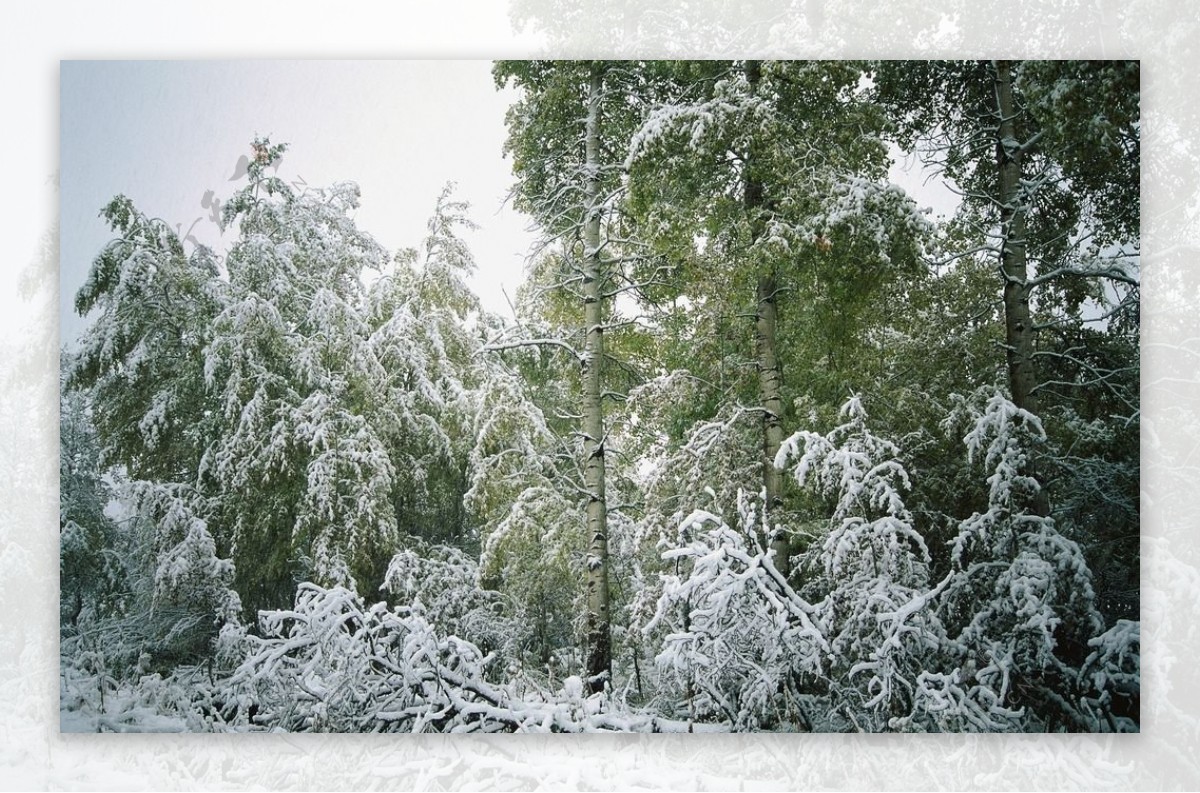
(769,375)
(770,387)
(599,664)
(1018,324)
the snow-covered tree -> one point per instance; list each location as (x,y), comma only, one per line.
(1019,604)
(142,358)
(1046,157)
(316,420)
(301,473)
(870,571)
(441,584)
(765,178)
(426,374)
(564,136)
(89,569)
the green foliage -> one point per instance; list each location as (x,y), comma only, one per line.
(315,421)
(143,358)
(89,574)
(836,237)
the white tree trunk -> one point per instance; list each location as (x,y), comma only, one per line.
(599,644)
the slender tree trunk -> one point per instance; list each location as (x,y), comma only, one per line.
(1018,324)
(770,387)
(599,664)
(769,375)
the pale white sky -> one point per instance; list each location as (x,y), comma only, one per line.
(167,132)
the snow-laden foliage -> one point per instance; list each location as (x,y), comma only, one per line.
(995,644)
(731,106)
(142,357)
(315,420)
(871,215)
(337,405)
(531,520)
(1047,571)
(1019,606)
(296,384)
(720,453)
(334,664)
(875,570)
(441,584)
(429,374)
(829,202)
(90,575)
(737,639)
(190,598)
(165,606)
(99,693)
(1111,677)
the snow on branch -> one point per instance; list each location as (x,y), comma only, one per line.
(736,634)
(332,663)
(509,345)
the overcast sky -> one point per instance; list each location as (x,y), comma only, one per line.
(165,133)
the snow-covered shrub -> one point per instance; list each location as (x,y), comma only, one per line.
(701,464)
(173,589)
(334,664)
(441,584)
(100,693)
(191,598)
(875,608)
(737,638)
(1019,603)
(721,454)
(871,531)
(1111,677)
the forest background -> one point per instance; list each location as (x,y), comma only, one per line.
(1161,502)
(595,492)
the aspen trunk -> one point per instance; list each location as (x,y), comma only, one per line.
(770,387)
(1018,324)
(769,374)
(599,663)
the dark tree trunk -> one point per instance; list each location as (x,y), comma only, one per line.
(1018,324)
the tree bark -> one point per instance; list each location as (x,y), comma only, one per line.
(770,387)
(1018,324)
(769,374)
(599,664)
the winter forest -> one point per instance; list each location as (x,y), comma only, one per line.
(764,445)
